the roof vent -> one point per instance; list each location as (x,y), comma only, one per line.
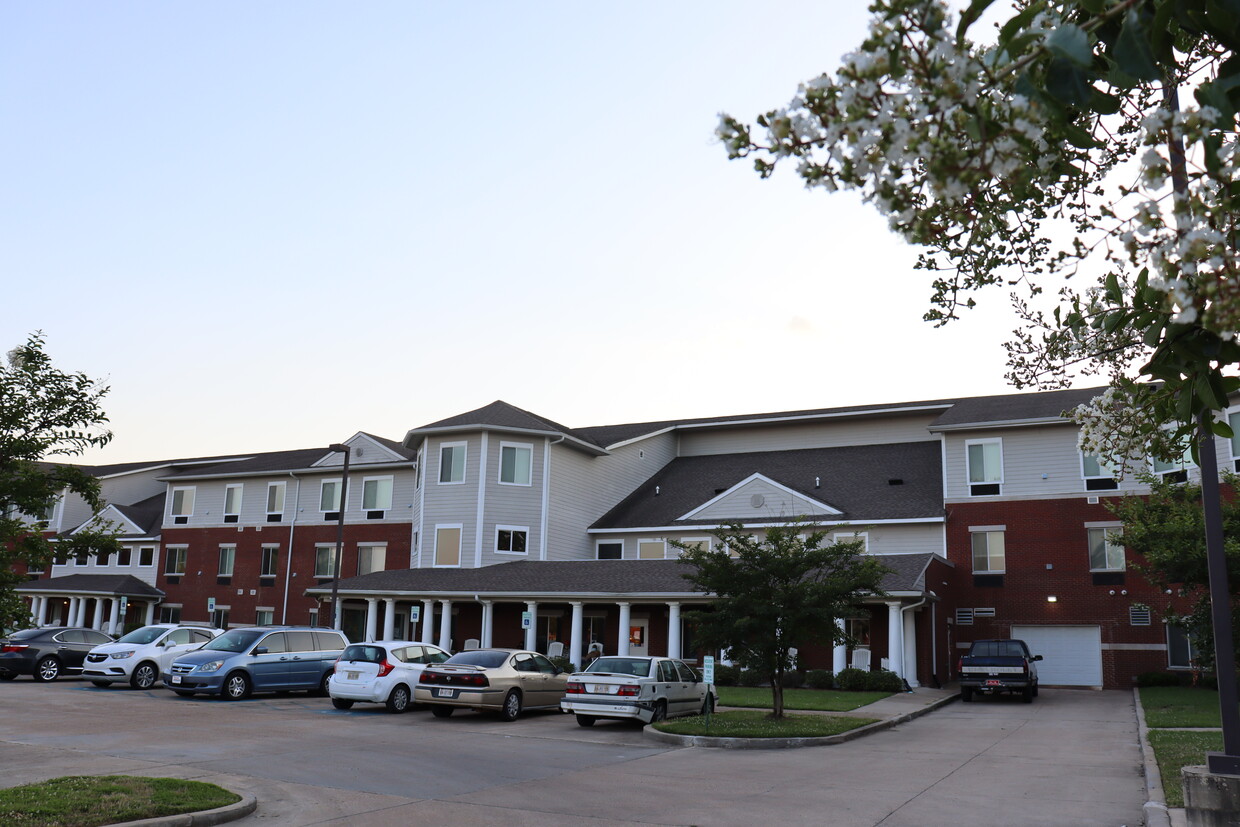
(656,490)
(757,500)
(895,481)
(359,451)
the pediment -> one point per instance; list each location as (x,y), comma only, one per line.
(759,497)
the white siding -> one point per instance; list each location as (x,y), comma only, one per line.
(787,437)
(775,504)
(452,503)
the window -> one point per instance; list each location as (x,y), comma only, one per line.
(1098,477)
(610,550)
(270,562)
(146,556)
(82,559)
(511,539)
(219,617)
(1181,650)
(447,545)
(103,559)
(264,617)
(49,513)
(988,552)
(985,458)
(514,463)
(417,471)
(125,556)
(853,537)
(698,543)
(275,501)
(1234,421)
(329,499)
(182,505)
(175,562)
(371,558)
(376,496)
(170,614)
(1177,469)
(325,560)
(232,503)
(1106,549)
(651,549)
(228,555)
(452,463)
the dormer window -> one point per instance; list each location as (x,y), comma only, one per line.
(985,463)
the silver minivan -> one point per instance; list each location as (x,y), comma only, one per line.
(258,659)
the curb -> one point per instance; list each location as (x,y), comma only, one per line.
(202,818)
(1155,809)
(712,742)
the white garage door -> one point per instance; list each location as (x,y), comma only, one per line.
(1071,655)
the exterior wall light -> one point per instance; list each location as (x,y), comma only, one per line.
(1052,599)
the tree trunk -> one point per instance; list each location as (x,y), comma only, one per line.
(777,695)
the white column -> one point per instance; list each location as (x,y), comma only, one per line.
(338,609)
(488,621)
(673,630)
(428,621)
(150,613)
(114,617)
(36,610)
(895,639)
(372,618)
(72,619)
(531,634)
(622,641)
(839,654)
(574,641)
(910,648)
(99,617)
(389,618)
(445,625)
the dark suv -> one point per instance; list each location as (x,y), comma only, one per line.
(258,659)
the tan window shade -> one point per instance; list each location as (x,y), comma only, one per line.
(650,550)
(448,547)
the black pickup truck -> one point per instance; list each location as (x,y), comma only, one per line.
(994,666)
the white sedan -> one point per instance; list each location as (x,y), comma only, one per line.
(383,672)
(636,688)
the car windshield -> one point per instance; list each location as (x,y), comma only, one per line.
(621,666)
(480,657)
(147,634)
(235,641)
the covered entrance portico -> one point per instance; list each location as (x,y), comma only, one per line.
(105,602)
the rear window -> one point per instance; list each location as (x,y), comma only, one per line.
(621,666)
(25,634)
(480,657)
(328,641)
(361,652)
(998,649)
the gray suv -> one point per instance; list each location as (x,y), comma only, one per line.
(258,659)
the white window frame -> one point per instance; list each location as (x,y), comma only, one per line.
(688,541)
(522,528)
(518,446)
(231,548)
(464,447)
(283,487)
(102,561)
(183,554)
(262,558)
(240,489)
(154,554)
(371,547)
(1233,419)
(651,541)
(1104,473)
(460,549)
(968,466)
(258,617)
(1192,650)
(331,556)
(339,483)
(172,501)
(1184,464)
(417,471)
(851,536)
(987,531)
(1108,530)
(598,543)
(391,489)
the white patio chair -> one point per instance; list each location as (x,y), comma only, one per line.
(555,649)
(861,659)
(472,643)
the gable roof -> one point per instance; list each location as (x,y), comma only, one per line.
(857,480)
(501,416)
(147,515)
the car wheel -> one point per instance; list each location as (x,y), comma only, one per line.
(183,693)
(144,676)
(322,690)
(1026,694)
(7,676)
(512,706)
(442,711)
(102,684)
(1035,690)
(398,701)
(660,712)
(236,687)
(342,703)
(966,694)
(47,669)
(586,720)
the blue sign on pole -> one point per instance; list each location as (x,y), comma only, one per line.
(527,620)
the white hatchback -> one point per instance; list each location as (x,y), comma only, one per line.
(383,672)
(140,656)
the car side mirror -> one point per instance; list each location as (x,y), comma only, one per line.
(1037,657)
(259,650)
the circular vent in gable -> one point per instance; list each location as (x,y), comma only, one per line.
(757,500)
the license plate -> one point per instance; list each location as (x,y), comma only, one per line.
(443,693)
(176,678)
(994,683)
(354,675)
(600,689)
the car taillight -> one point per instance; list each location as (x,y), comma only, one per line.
(14,647)
(385,668)
(960,665)
(575,688)
(429,677)
(631,690)
(475,680)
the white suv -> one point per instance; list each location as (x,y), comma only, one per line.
(140,656)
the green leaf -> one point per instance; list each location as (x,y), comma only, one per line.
(1071,43)
(1221,428)
(970,16)
(1079,138)
(1102,103)
(1203,389)
(1018,23)
(1132,51)
(1066,81)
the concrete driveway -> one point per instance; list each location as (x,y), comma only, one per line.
(1071,757)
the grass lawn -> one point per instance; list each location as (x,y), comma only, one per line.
(823,700)
(1180,706)
(86,801)
(1174,750)
(743,724)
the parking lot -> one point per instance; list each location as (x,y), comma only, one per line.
(1070,758)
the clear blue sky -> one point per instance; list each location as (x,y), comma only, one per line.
(271,225)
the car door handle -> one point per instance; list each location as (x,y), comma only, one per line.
(283,658)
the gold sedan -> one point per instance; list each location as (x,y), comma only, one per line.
(492,680)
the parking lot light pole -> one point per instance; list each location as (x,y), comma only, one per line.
(344,501)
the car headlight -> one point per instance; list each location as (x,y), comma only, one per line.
(209,666)
(122,655)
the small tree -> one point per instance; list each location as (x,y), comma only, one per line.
(44,412)
(775,592)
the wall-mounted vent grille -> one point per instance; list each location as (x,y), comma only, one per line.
(983,612)
(1139,615)
(964,617)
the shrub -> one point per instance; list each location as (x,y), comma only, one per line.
(563,664)
(750,677)
(819,679)
(1158,679)
(726,675)
(794,680)
(851,680)
(884,681)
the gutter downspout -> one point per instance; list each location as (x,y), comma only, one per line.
(288,570)
(546,494)
(934,644)
(904,609)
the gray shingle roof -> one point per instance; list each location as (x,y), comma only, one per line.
(1016,407)
(147,515)
(856,480)
(119,585)
(273,462)
(500,415)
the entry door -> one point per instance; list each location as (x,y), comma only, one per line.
(639,637)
